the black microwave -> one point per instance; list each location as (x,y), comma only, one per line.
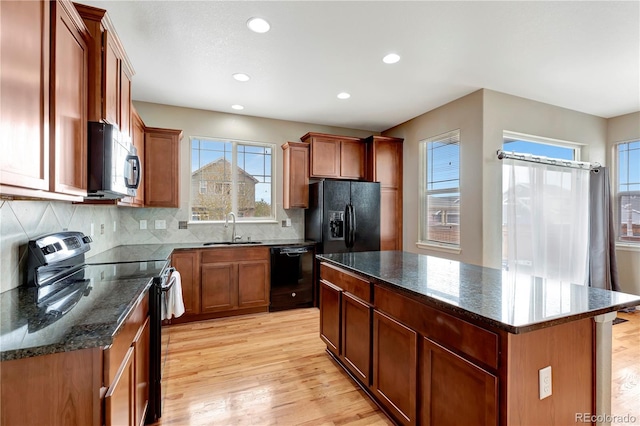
(114,166)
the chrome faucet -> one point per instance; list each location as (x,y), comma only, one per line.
(234,237)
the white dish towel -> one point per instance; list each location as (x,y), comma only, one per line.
(172,303)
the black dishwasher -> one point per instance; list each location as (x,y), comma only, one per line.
(291,277)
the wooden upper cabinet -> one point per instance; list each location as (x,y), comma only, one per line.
(338,157)
(161,167)
(24,104)
(295,175)
(110,71)
(384,165)
(68,122)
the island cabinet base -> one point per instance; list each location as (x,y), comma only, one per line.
(434,366)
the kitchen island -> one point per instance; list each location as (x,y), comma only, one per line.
(435,341)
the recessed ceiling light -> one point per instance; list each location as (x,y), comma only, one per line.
(258,25)
(241,76)
(391,58)
(343,95)
(237,107)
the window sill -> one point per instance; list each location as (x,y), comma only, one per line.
(439,247)
(628,247)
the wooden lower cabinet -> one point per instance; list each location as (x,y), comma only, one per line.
(219,289)
(330,296)
(119,402)
(395,362)
(253,283)
(455,391)
(142,347)
(356,336)
(187,262)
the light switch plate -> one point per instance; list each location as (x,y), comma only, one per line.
(545,382)
(143,224)
(161,224)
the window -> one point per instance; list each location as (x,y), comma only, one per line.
(229,175)
(627,190)
(535,145)
(440,193)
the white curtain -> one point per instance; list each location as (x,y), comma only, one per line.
(546,221)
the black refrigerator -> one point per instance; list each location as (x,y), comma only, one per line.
(343,216)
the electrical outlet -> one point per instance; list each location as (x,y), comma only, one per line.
(545,382)
(102,229)
(143,224)
(115,226)
(286,222)
(161,224)
(93,231)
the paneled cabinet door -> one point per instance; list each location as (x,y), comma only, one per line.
(69,101)
(219,287)
(142,346)
(330,314)
(253,284)
(24,122)
(111,70)
(352,159)
(455,391)
(120,398)
(295,175)
(188,264)
(161,164)
(395,349)
(356,336)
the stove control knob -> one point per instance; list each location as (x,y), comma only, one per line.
(87,239)
(49,249)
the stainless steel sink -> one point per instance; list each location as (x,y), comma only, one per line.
(232,243)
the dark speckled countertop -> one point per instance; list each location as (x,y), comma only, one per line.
(515,305)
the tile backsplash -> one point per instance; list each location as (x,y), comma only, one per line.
(21,221)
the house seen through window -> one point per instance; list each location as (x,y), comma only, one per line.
(230,176)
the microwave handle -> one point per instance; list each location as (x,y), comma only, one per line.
(136,171)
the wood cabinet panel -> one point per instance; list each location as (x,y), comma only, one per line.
(219,291)
(325,157)
(111,79)
(356,336)
(295,175)
(352,159)
(330,311)
(142,346)
(455,391)
(395,349)
(69,101)
(347,281)
(24,122)
(161,177)
(188,264)
(253,284)
(125,101)
(235,254)
(120,398)
(390,215)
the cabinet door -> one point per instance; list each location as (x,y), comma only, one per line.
(219,287)
(295,175)
(356,336)
(24,122)
(330,316)
(388,163)
(187,263)
(455,391)
(141,346)
(390,215)
(352,159)
(395,367)
(111,80)
(161,160)
(125,101)
(69,104)
(120,398)
(253,284)
(325,157)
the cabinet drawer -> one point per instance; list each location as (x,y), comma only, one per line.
(449,331)
(346,281)
(115,353)
(234,254)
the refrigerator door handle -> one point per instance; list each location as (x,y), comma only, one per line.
(347,226)
(352,230)
(350,226)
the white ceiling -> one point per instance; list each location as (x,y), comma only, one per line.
(582,55)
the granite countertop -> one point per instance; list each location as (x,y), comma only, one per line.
(140,252)
(513,304)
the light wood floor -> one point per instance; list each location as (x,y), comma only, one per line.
(272,369)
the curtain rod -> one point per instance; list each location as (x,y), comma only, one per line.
(546,160)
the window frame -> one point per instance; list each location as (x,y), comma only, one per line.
(234,184)
(453,248)
(616,197)
(576,147)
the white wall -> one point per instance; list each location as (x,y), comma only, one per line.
(621,129)
(194,122)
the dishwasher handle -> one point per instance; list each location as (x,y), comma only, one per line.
(292,251)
